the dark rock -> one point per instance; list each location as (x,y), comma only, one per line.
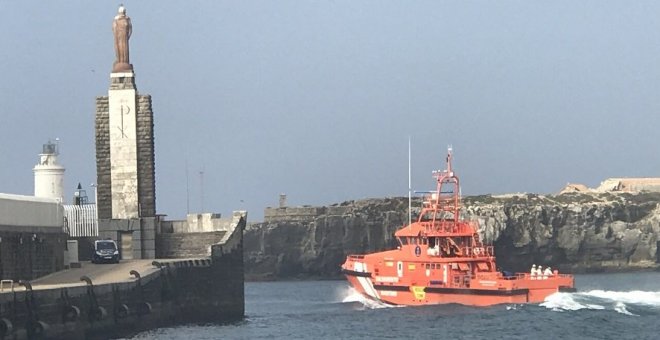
(573,232)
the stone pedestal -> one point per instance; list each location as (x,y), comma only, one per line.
(122,124)
(122,67)
(125,164)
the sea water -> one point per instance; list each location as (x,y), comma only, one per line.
(606,306)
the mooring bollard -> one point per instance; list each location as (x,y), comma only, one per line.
(6,328)
(70,312)
(143,307)
(120,310)
(94,312)
(33,326)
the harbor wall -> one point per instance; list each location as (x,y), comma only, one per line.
(32,238)
(575,232)
(193,237)
(203,290)
(30,211)
(184,245)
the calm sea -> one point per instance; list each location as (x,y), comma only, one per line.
(607,306)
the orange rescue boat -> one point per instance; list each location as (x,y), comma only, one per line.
(441,259)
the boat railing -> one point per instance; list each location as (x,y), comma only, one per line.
(355,257)
(447,226)
(519,276)
(555,274)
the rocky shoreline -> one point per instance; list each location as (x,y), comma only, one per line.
(574,232)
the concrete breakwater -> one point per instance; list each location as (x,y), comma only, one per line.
(572,232)
(137,295)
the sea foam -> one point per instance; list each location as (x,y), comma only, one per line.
(602,299)
(352,295)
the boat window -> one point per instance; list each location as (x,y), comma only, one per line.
(482,266)
(403,240)
(414,240)
(428,266)
(463,266)
(425,240)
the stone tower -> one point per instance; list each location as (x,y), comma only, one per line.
(125,156)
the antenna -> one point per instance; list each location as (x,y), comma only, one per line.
(201,188)
(409,186)
(187,190)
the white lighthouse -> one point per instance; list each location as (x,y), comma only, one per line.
(48,174)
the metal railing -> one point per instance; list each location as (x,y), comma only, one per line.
(80,220)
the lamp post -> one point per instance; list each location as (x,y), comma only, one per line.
(95,225)
(93,185)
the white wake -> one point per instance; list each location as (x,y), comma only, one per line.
(351,295)
(602,299)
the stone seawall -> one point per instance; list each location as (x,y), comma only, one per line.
(572,232)
(32,238)
(182,245)
(205,290)
(30,254)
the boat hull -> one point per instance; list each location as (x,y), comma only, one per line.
(418,295)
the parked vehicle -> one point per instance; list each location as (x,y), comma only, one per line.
(105,251)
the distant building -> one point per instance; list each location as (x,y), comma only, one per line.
(651,184)
(629,185)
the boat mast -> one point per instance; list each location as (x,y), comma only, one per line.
(409,186)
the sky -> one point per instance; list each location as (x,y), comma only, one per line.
(317,99)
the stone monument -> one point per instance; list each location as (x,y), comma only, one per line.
(125,155)
(122,29)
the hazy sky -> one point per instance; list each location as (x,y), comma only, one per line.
(316,99)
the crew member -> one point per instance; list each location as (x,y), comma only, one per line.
(532,273)
(539,272)
(547,273)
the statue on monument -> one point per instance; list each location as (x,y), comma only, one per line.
(122,29)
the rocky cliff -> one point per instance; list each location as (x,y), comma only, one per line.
(573,232)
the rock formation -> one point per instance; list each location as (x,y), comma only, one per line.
(574,232)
